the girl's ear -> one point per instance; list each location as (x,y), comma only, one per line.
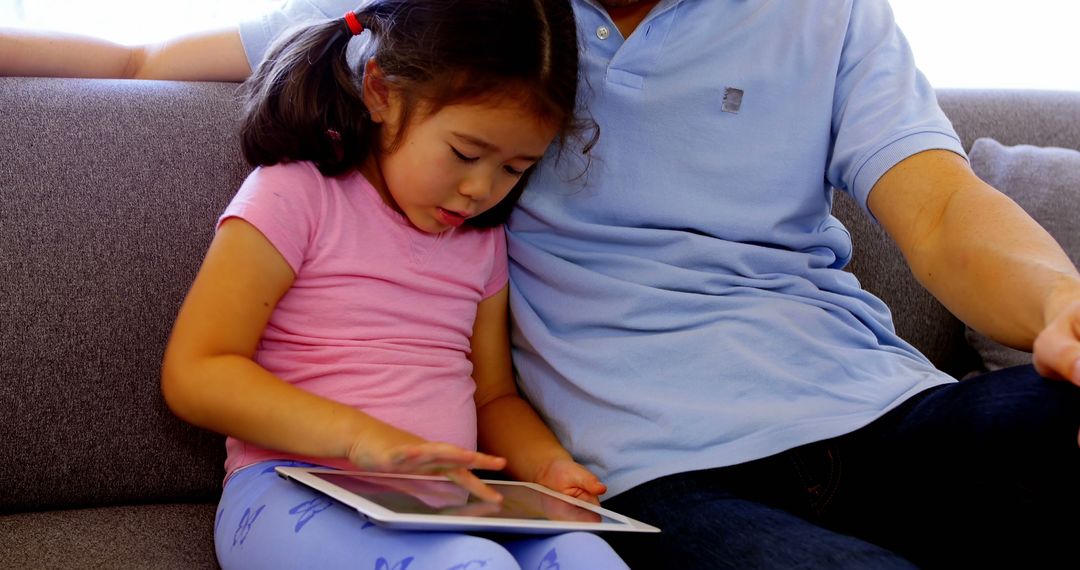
(376,91)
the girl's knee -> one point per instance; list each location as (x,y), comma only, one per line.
(578,541)
(569,551)
(466,552)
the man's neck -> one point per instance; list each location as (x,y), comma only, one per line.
(627,15)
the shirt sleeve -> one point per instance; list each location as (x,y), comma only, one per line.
(259,33)
(499,267)
(282,202)
(884,109)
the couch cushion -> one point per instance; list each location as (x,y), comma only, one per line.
(151,536)
(1045,182)
(110,190)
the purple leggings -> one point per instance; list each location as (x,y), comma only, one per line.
(265,521)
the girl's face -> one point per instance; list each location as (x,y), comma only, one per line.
(455,163)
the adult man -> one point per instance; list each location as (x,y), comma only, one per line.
(683,323)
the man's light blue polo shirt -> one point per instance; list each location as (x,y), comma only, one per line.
(682,305)
(259,33)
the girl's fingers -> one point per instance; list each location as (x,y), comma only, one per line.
(487,462)
(474,485)
(449,460)
(595,487)
(439,457)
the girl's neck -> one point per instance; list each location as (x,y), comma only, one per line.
(373,173)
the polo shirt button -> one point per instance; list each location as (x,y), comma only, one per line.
(603,32)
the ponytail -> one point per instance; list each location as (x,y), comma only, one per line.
(304,103)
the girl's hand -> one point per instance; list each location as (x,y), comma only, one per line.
(570,478)
(406,453)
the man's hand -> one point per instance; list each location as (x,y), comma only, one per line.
(1057,348)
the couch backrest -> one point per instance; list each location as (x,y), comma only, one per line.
(109,192)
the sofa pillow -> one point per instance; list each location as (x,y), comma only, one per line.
(1045,182)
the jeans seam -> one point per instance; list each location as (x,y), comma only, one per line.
(818,504)
(832,486)
(800,470)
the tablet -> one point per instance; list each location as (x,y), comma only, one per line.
(424,502)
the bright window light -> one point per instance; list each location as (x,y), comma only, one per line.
(130,21)
(1034,44)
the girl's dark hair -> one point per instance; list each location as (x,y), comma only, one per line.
(304,101)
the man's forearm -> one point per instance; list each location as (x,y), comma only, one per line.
(974,248)
(216,55)
(54,54)
(995,267)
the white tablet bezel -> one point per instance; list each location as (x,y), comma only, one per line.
(385,517)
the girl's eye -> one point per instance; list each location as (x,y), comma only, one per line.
(462,157)
(513,171)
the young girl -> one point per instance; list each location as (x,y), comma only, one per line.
(351,311)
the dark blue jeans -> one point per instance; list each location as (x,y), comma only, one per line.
(982,473)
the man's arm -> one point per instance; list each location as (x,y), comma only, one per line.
(206,56)
(983,257)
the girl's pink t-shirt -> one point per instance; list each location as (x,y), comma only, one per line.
(380,314)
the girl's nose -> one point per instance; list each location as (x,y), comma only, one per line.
(476,187)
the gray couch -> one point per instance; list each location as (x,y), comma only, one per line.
(109,192)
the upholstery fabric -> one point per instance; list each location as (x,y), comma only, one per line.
(110,192)
(152,536)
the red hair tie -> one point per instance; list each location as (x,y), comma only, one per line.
(353,23)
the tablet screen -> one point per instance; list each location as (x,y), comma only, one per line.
(418,496)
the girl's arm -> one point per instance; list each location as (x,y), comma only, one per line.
(508,426)
(207,56)
(209,378)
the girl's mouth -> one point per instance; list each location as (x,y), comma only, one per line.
(450,217)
